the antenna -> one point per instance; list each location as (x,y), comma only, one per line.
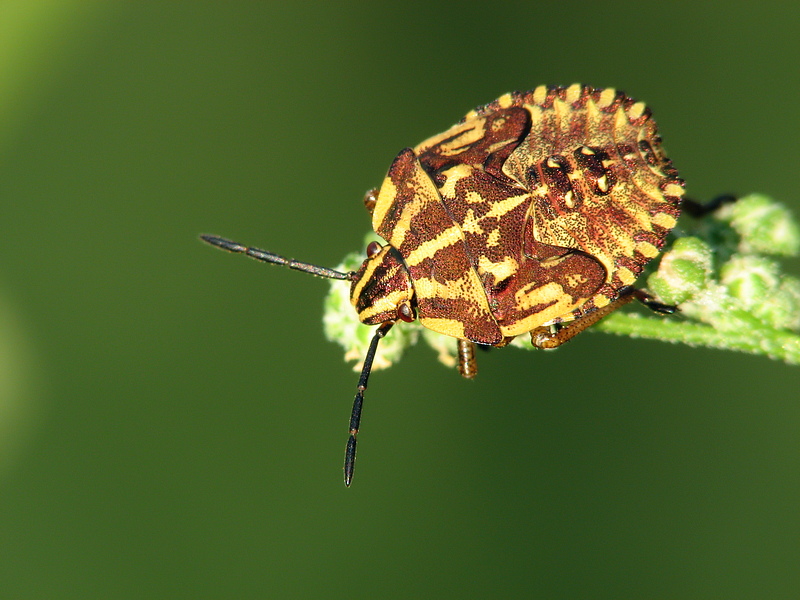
(355,416)
(276,259)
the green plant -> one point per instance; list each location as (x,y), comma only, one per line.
(721,271)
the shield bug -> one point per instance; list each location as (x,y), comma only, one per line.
(534,214)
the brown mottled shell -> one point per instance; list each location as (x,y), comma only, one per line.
(534,209)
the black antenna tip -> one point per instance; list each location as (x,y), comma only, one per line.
(349,460)
(223,243)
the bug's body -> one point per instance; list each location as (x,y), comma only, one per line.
(532,210)
(537,209)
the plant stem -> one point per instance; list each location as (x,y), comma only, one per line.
(777,344)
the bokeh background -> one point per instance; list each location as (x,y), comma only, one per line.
(172,419)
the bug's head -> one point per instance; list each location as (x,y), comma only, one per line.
(381,289)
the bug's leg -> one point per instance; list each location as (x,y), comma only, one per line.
(649,302)
(701,209)
(467,361)
(543,337)
(355,416)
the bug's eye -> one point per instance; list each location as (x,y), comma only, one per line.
(371,199)
(405,313)
(373,249)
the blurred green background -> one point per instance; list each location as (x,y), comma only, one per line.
(172,419)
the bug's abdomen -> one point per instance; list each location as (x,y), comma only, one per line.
(598,179)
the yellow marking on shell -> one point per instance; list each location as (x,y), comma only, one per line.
(673,189)
(552,163)
(452,176)
(623,244)
(448,237)
(505,100)
(621,120)
(355,292)
(664,220)
(573,93)
(592,115)
(641,217)
(387,303)
(602,183)
(467,288)
(369,273)
(569,230)
(606,97)
(474,198)
(536,113)
(498,123)
(533,294)
(474,131)
(600,301)
(563,111)
(565,230)
(403,224)
(587,151)
(553,261)
(569,199)
(424,193)
(576,279)
(494,238)
(560,305)
(461,288)
(539,94)
(636,110)
(647,249)
(501,270)
(500,208)
(560,107)
(626,276)
(449,142)
(471,224)
(386,197)
(496,146)
(449,327)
